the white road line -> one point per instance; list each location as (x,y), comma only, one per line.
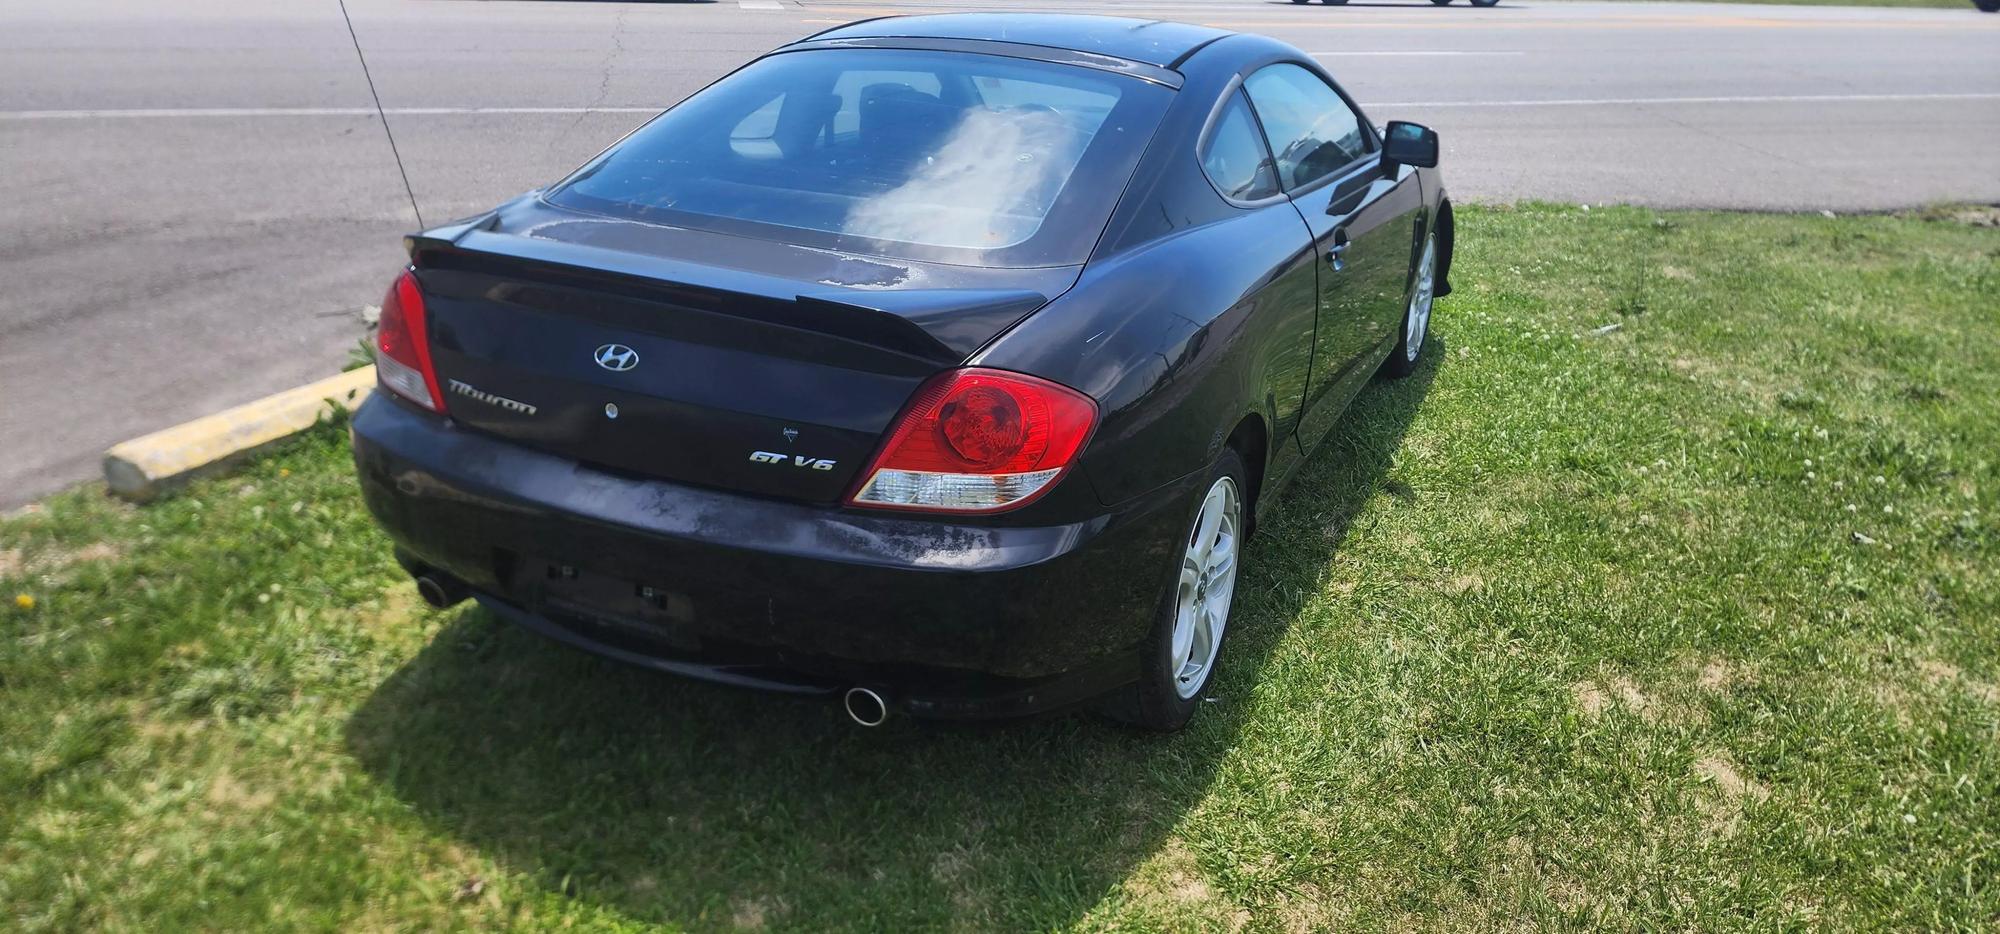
(1426,52)
(760,4)
(477,111)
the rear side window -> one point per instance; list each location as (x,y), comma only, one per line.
(942,156)
(1312,130)
(1235,157)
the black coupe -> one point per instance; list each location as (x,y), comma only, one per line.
(938,363)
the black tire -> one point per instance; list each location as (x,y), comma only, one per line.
(1987,6)
(1485,2)
(1441,2)
(1301,2)
(1155,703)
(1403,361)
(1334,2)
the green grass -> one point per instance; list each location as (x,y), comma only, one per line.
(1694,623)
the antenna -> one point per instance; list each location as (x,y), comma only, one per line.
(384,116)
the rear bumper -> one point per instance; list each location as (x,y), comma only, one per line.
(945,619)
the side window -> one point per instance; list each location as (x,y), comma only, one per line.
(1311,129)
(1235,158)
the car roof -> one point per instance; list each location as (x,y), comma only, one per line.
(1148,41)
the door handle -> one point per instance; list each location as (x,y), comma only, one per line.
(1337,253)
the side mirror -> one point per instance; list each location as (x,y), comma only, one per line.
(1410,144)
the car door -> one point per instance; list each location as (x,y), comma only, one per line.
(1362,217)
(1238,163)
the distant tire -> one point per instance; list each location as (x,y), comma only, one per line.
(1987,6)
(1416,325)
(1440,2)
(1484,2)
(1334,2)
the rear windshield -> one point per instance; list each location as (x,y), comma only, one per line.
(941,156)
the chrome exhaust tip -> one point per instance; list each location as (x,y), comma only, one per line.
(440,591)
(866,707)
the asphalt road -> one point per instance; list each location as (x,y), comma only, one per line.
(196,197)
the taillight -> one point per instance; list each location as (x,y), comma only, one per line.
(978,440)
(404,363)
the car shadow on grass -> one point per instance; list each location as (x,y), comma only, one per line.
(663,800)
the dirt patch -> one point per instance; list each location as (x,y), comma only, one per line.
(1308,910)
(1188,887)
(753,914)
(1730,782)
(1628,693)
(1937,673)
(1897,701)
(1464,584)
(1589,698)
(1717,676)
(225,791)
(958,870)
(398,605)
(1732,790)
(1940,674)
(16,562)
(1172,878)
(1595,698)
(1971,215)
(96,551)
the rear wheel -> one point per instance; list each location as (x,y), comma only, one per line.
(1417,314)
(1440,2)
(1485,2)
(1988,6)
(1186,642)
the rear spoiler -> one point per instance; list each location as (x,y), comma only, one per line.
(941,326)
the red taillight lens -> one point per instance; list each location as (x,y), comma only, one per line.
(979,440)
(404,363)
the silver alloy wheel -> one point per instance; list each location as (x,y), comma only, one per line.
(1419,318)
(1208,580)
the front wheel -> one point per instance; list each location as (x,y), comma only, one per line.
(1485,2)
(1186,642)
(1417,314)
(1441,2)
(1987,6)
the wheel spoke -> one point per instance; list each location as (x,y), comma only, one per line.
(1223,562)
(1203,646)
(1210,521)
(1185,609)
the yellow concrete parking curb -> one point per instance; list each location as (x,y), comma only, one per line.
(143,468)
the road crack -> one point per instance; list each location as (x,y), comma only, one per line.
(603,80)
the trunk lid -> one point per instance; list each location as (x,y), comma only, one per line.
(730,363)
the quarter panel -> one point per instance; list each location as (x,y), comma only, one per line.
(1177,341)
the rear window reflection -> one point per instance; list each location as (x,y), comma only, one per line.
(951,151)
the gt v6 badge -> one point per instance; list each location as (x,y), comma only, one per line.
(467,390)
(796,460)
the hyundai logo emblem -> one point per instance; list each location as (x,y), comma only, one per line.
(616,357)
